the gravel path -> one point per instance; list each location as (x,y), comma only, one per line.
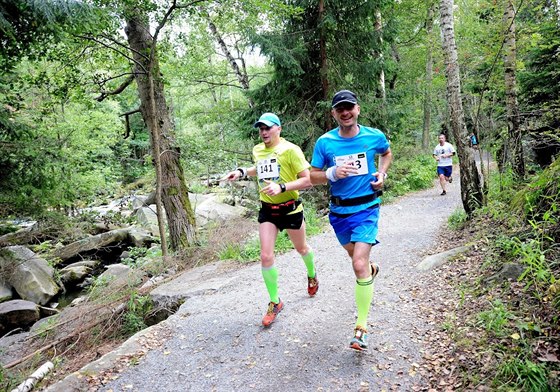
(215,341)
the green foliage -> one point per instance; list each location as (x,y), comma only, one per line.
(138,308)
(410,172)
(537,274)
(58,149)
(6,228)
(496,320)
(458,219)
(540,202)
(294,50)
(522,374)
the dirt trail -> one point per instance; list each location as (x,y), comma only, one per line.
(215,341)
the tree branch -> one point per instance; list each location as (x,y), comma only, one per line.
(118,90)
(113,48)
(126,116)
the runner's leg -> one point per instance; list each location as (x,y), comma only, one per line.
(267,235)
(364,281)
(300,244)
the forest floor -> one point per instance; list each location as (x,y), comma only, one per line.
(216,342)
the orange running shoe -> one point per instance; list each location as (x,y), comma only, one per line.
(272,312)
(359,341)
(312,285)
(374,270)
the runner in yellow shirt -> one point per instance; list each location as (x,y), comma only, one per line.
(281,170)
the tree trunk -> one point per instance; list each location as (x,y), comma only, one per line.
(240,73)
(155,112)
(324,68)
(379,55)
(514,132)
(429,77)
(471,193)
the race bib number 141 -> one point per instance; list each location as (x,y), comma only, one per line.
(267,168)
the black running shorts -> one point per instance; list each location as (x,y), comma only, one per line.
(292,221)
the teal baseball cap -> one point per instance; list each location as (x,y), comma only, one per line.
(268,119)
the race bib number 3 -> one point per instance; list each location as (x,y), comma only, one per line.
(268,168)
(359,161)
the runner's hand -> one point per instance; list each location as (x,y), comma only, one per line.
(232,176)
(345,170)
(272,189)
(378,183)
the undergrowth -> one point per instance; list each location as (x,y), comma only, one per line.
(515,321)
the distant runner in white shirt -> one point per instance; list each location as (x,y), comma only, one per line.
(443,154)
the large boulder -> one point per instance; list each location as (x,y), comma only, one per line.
(212,210)
(147,218)
(5,291)
(208,209)
(73,274)
(17,313)
(119,275)
(22,235)
(30,276)
(89,243)
(130,235)
(140,237)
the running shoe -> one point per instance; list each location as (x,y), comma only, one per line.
(272,312)
(450,180)
(374,270)
(359,341)
(312,285)
(443,193)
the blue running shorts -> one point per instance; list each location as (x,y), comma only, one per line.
(358,227)
(445,170)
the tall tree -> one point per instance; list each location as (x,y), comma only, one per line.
(171,186)
(540,78)
(512,106)
(428,78)
(330,45)
(471,192)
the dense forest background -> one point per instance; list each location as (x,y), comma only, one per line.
(71,128)
(103,98)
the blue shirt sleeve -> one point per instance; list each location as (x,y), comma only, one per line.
(318,159)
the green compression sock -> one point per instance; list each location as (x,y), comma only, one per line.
(270,276)
(364,296)
(308,259)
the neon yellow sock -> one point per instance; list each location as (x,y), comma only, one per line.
(270,276)
(364,296)
(308,259)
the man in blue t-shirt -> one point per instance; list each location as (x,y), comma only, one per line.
(345,158)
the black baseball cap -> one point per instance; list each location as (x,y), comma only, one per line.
(344,96)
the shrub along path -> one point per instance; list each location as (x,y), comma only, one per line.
(215,340)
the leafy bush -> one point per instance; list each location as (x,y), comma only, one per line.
(138,307)
(522,374)
(495,320)
(410,172)
(458,219)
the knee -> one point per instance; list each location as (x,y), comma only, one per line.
(361,266)
(303,250)
(267,259)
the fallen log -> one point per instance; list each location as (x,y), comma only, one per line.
(37,376)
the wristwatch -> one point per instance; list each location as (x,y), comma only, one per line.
(282,188)
(384,175)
